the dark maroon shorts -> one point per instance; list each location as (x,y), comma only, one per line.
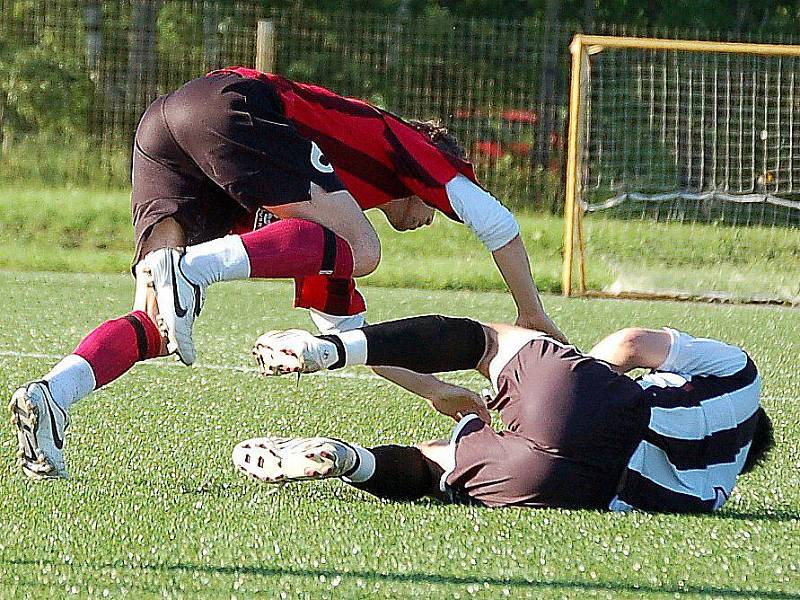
(213,151)
(571,426)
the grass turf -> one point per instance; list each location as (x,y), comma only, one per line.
(90,231)
(154,506)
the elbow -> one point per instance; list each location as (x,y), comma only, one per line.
(622,349)
(629,343)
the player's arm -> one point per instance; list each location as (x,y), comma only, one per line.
(498,230)
(633,348)
(512,261)
(449,399)
(669,350)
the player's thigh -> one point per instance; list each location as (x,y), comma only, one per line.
(174,207)
(490,468)
(561,398)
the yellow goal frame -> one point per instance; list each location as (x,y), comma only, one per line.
(581,48)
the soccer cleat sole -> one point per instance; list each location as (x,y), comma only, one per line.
(259,460)
(273,362)
(25,418)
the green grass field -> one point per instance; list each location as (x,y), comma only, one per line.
(154,507)
(90,231)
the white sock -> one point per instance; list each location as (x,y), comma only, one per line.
(70,380)
(331,324)
(366,465)
(223,259)
(355,347)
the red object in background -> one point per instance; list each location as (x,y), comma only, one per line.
(469,113)
(520,149)
(555,140)
(487,149)
(515,115)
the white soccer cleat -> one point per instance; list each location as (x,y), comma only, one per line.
(293,351)
(279,460)
(41,425)
(179,300)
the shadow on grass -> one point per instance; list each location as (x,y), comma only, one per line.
(766,514)
(431,579)
(777,516)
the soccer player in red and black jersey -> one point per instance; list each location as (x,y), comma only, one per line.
(218,156)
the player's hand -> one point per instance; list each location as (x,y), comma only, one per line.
(541,323)
(456,402)
(528,322)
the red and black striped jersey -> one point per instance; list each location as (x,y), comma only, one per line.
(378,156)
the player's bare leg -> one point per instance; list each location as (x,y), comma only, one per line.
(39,409)
(328,234)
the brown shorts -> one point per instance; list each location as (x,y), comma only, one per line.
(572,424)
(213,151)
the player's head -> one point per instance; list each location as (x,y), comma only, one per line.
(440,137)
(409,213)
(763,441)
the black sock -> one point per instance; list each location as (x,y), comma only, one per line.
(429,344)
(401,473)
(334,339)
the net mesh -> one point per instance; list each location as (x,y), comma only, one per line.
(690,174)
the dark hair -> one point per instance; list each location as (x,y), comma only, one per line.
(763,441)
(439,137)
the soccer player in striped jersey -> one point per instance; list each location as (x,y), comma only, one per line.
(239,146)
(579,432)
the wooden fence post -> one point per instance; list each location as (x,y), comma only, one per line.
(265,46)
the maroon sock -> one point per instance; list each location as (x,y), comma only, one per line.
(296,248)
(116,345)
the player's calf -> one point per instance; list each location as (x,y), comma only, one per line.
(428,344)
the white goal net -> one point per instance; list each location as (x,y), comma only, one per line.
(687,167)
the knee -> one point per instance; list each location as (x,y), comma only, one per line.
(366,253)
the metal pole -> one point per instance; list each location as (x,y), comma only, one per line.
(637,43)
(265,46)
(576,48)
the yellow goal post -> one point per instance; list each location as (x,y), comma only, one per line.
(693,169)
